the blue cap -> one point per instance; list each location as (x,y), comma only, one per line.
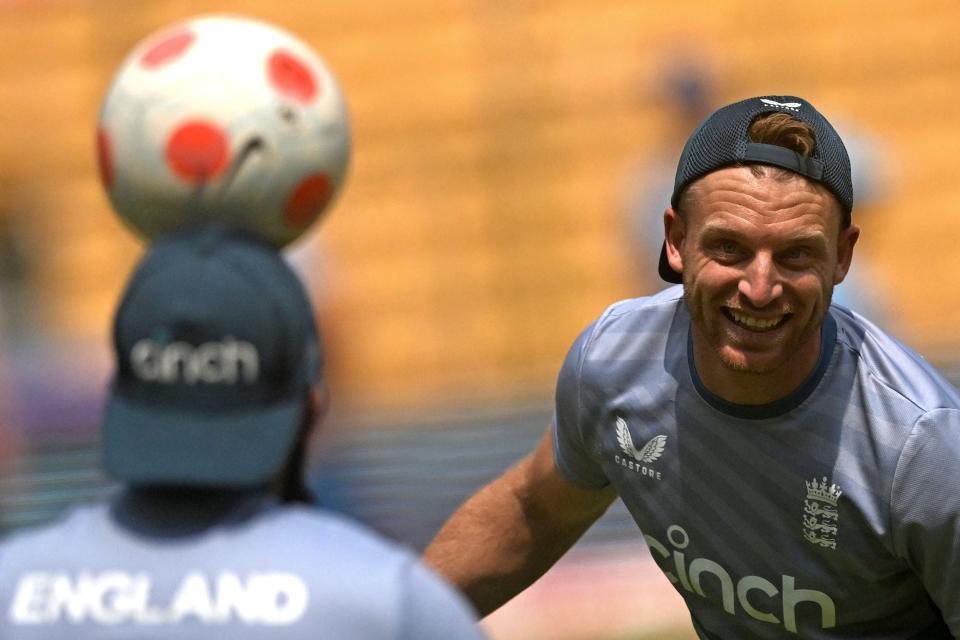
(721,141)
(217,348)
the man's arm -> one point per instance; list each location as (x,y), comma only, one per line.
(925,508)
(510,532)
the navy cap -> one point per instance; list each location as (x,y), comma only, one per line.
(721,141)
(216,348)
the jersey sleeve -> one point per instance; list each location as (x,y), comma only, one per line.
(431,609)
(571,450)
(925,507)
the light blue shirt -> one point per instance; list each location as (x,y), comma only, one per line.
(259,570)
(832,513)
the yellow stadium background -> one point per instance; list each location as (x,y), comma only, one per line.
(487,214)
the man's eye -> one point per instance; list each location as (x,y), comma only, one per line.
(728,247)
(726,251)
(797,253)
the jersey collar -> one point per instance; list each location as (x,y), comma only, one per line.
(828,338)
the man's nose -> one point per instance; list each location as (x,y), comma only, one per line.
(760,282)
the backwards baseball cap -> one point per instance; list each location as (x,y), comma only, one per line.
(721,141)
(216,349)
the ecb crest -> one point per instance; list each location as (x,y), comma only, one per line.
(820,515)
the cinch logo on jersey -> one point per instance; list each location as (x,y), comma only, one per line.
(225,362)
(640,457)
(117,597)
(689,575)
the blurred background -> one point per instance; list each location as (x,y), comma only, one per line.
(511,165)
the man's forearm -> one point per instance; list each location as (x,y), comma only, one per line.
(490,548)
(510,532)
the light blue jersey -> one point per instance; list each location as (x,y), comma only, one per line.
(260,571)
(833,513)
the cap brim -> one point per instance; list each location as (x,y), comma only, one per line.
(144,445)
(666,271)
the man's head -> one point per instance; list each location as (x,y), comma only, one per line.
(760,230)
(776,131)
(218,366)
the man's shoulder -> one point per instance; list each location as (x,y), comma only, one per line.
(630,325)
(647,314)
(293,529)
(334,547)
(79,517)
(66,532)
(665,302)
(356,579)
(306,525)
(328,536)
(891,367)
(322,546)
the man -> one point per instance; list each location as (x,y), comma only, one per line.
(793,469)
(217,388)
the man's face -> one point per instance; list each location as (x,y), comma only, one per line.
(760,256)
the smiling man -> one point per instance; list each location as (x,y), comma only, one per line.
(793,469)
(761,248)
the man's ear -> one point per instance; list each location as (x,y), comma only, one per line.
(674,233)
(845,242)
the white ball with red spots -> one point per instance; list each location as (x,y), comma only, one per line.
(226,118)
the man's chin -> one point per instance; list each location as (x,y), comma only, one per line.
(753,363)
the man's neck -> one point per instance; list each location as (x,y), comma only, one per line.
(754,388)
(182,511)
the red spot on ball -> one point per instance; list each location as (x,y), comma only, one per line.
(105,157)
(197,151)
(307,201)
(291,77)
(169,48)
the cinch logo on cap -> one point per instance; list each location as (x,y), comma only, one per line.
(227,362)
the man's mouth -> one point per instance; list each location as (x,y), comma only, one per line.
(754,323)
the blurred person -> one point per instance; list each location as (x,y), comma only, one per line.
(217,389)
(686,94)
(862,290)
(791,466)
